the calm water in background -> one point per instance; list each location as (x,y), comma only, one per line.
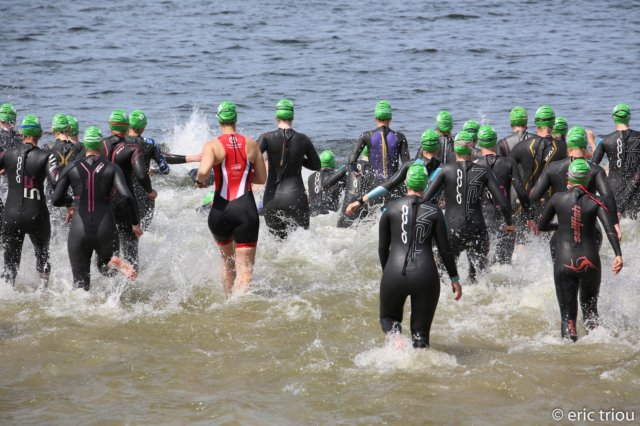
(306,348)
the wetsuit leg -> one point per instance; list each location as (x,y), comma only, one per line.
(80,256)
(146,207)
(567,285)
(40,238)
(425,292)
(219,222)
(12,240)
(478,252)
(107,243)
(285,212)
(589,290)
(393,294)
(128,240)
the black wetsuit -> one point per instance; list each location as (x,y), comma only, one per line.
(285,201)
(506,172)
(407,228)
(464,184)
(129,158)
(396,182)
(534,154)
(359,182)
(325,188)
(93,227)
(622,148)
(506,145)
(26,167)
(446,154)
(65,152)
(574,251)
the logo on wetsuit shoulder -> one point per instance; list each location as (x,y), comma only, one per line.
(100,167)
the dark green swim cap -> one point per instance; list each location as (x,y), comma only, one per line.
(284,109)
(579,172)
(7,113)
(92,138)
(227,113)
(621,114)
(444,122)
(365,151)
(518,116)
(417,177)
(30,126)
(327,159)
(560,126)
(74,127)
(462,143)
(383,110)
(137,119)
(577,138)
(545,117)
(60,124)
(118,120)
(430,142)
(487,137)
(472,127)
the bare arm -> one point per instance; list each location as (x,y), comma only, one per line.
(207,162)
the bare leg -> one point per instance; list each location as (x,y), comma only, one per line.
(245,258)
(228,252)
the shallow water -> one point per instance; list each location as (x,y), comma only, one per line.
(306,346)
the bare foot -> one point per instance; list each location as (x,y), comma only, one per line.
(123,267)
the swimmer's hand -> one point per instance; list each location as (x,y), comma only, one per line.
(70,210)
(618,231)
(137,231)
(200,184)
(457,290)
(194,158)
(352,208)
(509,229)
(152,195)
(617,265)
(532,226)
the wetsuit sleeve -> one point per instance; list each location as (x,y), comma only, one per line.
(262,143)
(339,175)
(384,238)
(311,160)
(140,170)
(598,155)
(544,223)
(629,192)
(357,150)
(120,186)
(525,201)
(393,182)
(61,196)
(442,240)
(499,198)
(404,149)
(604,190)
(53,172)
(612,235)
(175,158)
(435,185)
(160,160)
(541,186)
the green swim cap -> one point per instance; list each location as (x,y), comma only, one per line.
(545,117)
(444,122)
(118,120)
(462,143)
(284,109)
(430,141)
(7,113)
(621,114)
(383,110)
(365,151)
(137,119)
(227,113)
(60,123)
(472,127)
(518,116)
(417,177)
(208,199)
(577,138)
(30,126)
(327,159)
(74,127)
(487,137)
(92,138)
(579,171)
(560,126)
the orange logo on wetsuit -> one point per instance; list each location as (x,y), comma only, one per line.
(581,265)
(576,223)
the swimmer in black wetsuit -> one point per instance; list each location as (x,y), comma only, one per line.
(9,138)
(93,227)
(506,173)
(407,228)
(326,186)
(554,178)
(444,126)
(233,219)
(358,183)
(622,148)
(74,129)
(574,249)
(388,149)
(27,167)
(63,149)
(285,199)
(472,127)
(150,151)
(130,160)
(429,147)
(519,120)
(464,184)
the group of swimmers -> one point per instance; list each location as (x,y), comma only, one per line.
(471,176)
